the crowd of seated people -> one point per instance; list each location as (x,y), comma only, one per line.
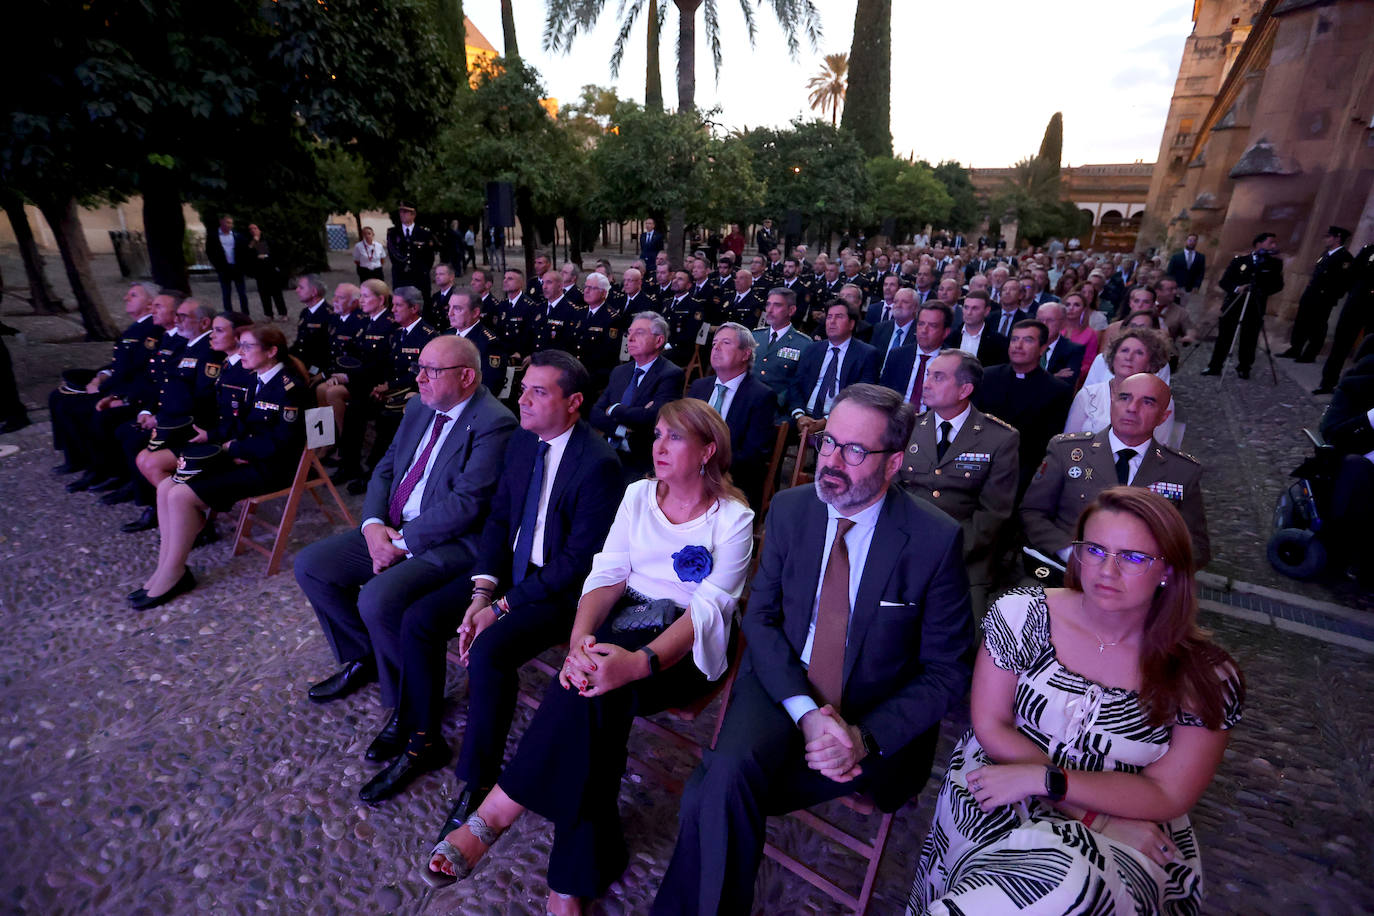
(583,460)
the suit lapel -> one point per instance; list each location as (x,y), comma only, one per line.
(963,439)
(646,381)
(1151,466)
(807,570)
(1101,458)
(567,468)
(884,553)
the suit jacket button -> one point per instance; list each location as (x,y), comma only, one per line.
(935,493)
(937,472)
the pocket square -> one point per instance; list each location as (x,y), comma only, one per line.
(891,604)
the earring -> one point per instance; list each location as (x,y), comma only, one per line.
(701,471)
(1163,582)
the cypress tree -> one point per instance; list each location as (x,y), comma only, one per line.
(868,102)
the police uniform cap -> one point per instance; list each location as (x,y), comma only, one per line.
(74,381)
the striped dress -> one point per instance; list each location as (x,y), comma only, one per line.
(1028,858)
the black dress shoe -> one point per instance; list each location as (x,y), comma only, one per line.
(138,594)
(87,480)
(358,486)
(14,424)
(145,522)
(344,681)
(125,494)
(402,771)
(182,586)
(1210,371)
(1243,373)
(1324,389)
(65,467)
(466,805)
(389,741)
(109,484)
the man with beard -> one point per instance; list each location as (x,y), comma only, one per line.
(843,686)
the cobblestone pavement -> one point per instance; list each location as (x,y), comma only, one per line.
(170,762)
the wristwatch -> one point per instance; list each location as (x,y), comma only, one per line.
(501,607)
(870,742)
(1056,783)
(653,659)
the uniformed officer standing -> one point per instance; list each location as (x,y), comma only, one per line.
(1356,315)
(411,249)
(1078,466)
(964,462)
(780,345)
(312,343)
(1249,281)
(1331,278)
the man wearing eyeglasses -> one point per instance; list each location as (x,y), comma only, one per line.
(425,506)
(858,628)
(1078,466)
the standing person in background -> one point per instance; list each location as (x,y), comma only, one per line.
(1187,267)
(469,250)
(650,241)
(1357,315)
(411,249)
(228,251)
(267,272)
(1330,280)
(369,255)
(1248,281)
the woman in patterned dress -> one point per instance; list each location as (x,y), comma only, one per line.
(1100,713)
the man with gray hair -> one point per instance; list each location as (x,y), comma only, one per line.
(596,336)
(746,404)
(628,408)
(311,345)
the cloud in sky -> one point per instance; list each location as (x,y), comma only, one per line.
(976,88)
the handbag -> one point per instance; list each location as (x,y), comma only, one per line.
(634,613)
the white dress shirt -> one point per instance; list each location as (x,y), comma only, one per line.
(969,342)
(411,509)
(915,368)
(557,446)
(839,372)
(857,542)
(226,241)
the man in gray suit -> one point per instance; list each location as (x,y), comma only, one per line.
(424,510)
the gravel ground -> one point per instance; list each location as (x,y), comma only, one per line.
(170,762)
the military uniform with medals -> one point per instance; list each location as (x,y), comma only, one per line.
(514,324)
(775,364)
(1078,466)
(312,342)
(553,326)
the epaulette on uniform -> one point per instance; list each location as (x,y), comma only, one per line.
(1173,451)
(996,419)
(1072,437)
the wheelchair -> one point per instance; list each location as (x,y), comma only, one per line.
(1296,548)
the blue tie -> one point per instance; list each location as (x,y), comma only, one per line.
(529,518)
(631,388)
(827,383)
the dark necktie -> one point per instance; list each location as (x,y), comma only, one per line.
(417,470)
(827,383)
(826,669)
(896,339)
(887,312)
(942,446)
(529,517)
(1004,328)
(918,386)
(1123,465)
(631,388)
(773,340)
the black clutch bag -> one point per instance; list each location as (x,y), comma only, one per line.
(635,613)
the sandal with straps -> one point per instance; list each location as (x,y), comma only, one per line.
(446,850)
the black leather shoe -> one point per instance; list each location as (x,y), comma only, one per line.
(402,771)
(110,484)
(145,522)
(87,480)
(138,594)
(389,741)
(466,805)
(357,487)
(125,494)
(182,586)
(1210,371)
(344,681)
(64,468)
(1324,389)
(14,424)
(1243,373)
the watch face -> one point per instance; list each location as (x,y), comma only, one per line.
(1056,783)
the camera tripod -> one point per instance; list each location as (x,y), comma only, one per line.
(1244,303)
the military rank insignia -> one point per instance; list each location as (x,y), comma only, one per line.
(1173,491)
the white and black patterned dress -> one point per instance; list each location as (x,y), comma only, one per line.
(1029,858)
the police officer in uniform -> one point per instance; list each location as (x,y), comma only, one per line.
(372,351)
(408,338)
(779,345)
(1357,315)
(466,320)
(742,304)
(1078,466)
(685,316)
(1249,281)
(517,309)
(965,462)
(553,322)
(1331,278)
(312,344)
(411,249)
(535,288)
(598,336)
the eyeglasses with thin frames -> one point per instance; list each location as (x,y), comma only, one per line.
(1128,562)
(853,453)
(435,372)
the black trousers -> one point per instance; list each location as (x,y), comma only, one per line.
(269,290)
(571,759)
(71,414)
(1355,317)
(363,613)
(361,410)
(11,407)
(133,439)
(1352,500)
(1309,326)
(493,682)
(233,274)
(1231,315)
(757,768)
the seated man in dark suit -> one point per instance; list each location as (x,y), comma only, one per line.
(905,372)
(1063,358)
(628,408)
(899,329)
(829,366)
(835,695)
(554,504)
(972,334)
(1026,396)
(425,505)
(1009,310)
(745,403)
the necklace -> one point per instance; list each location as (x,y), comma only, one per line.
(1102,645)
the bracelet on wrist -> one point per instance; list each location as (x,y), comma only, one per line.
(1088,818)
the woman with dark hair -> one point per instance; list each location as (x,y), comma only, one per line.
(1100,714)
(268,273)
(255,450)
(653,629)
(1068,280)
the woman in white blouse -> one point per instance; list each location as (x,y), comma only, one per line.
(1137,350)
(369,254)
(686,536)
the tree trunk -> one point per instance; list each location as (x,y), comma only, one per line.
(870,78)
(165,227)
(65,219)
(508,29)
(41,295)
(653,75)
(687,54)
(529,234)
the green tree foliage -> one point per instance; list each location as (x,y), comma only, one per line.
(1052,144)
(965,213)
(907,192)
(1031,196)
(870,78)
(814,168)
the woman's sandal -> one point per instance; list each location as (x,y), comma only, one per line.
(552,894)
(446,850)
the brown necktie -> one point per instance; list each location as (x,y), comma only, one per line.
(826,670)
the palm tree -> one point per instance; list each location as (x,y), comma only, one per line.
(828,86)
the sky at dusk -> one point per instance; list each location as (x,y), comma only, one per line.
(978,89)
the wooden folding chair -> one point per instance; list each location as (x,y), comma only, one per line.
(770,482)
(799,474)
(310,475)
(695,368)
